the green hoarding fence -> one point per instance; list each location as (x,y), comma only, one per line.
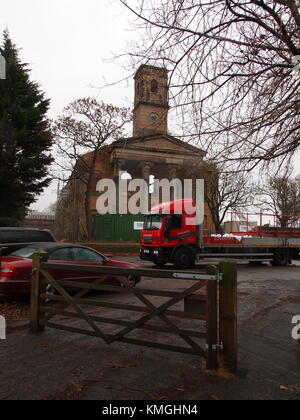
(117,227)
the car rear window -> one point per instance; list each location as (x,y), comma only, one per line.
(12,236)
(39,236)
(24,252)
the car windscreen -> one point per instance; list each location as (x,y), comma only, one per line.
(153,222)
(26,252)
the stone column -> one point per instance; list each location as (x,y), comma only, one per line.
(173,171)
(146,167)
(173,174)
(118,164)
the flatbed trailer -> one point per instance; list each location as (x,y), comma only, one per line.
(167,238)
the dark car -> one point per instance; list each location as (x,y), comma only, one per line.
(13,238)
(15,269)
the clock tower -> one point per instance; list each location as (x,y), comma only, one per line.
(150,114)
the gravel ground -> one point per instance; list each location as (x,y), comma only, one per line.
(61,365)
(14,309)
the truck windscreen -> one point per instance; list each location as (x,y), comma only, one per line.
(153,222)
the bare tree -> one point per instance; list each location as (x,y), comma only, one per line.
(281,195)
(225,189)
(85,126)
(233,66)
(51,209)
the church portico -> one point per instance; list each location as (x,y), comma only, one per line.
(163,153)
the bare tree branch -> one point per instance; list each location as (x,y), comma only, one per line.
(85,126)
(231,67)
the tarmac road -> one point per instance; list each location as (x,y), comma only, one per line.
(63,365)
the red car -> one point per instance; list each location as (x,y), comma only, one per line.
(15,268)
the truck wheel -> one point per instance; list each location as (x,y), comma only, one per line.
(183,258)
(281,258)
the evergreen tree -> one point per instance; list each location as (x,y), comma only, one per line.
(25,137)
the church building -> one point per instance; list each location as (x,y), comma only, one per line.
(150,153)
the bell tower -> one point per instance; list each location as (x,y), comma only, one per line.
(150,114)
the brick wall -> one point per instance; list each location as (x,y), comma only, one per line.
(40,224)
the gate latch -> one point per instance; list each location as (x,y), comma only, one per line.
(215,346)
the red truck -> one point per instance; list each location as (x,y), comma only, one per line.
(169,237)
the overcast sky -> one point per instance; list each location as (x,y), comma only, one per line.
(67,44)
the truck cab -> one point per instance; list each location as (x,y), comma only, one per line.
(169,234)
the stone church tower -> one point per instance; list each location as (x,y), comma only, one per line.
(150,114)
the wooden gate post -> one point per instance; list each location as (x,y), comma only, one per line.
(228,314)
(35,315)
(212,320)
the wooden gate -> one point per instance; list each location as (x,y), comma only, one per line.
(204,301)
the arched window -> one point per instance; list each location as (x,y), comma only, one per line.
(154,86)
(126,175)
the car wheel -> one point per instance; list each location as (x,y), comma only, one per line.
(50,290)
(131,280)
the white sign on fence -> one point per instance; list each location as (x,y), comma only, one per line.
(138,225)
